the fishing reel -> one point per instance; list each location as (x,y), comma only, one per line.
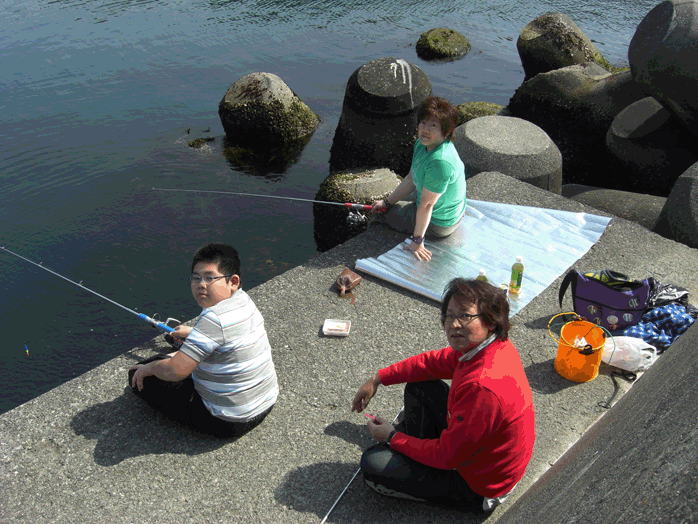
(156,318)
(355,218)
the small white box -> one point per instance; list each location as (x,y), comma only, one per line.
(336,328)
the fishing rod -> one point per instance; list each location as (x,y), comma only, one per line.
(348,205)
(153,322)
(355,474)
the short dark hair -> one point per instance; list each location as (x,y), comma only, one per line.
(491,303)
(225,256)
(444,112)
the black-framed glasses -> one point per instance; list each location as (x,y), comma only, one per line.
(463,318)
(206,279)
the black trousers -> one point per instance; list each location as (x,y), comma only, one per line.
(181,402)
(425,418)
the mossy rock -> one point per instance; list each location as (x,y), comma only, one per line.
(442,43)
(261,110)
(198,143)
(553,41)
(470,110)
(361,187)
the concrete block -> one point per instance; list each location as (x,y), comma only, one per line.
(511,146)
(663,54)
(261,110)
(652,148)
(332,225)
(377,127)
(635,207)
(678,219)
(575,106)
(552,41)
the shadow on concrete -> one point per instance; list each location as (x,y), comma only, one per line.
(299,491)
(543,378)
(356,434)
(300,488)
(542,322)
(127,427)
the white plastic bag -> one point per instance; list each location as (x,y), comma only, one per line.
(631,353)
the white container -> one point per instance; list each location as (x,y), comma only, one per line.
(336,328)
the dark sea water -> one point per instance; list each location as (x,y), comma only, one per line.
(96,98)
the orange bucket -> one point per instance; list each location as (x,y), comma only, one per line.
(579,364)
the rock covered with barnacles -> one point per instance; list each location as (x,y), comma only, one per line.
(361,187)
(261,110)
(333,224)
(553,41)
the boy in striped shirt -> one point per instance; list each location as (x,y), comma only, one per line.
(222,380)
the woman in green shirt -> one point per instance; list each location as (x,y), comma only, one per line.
(430,200)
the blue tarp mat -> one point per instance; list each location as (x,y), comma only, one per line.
(490,237)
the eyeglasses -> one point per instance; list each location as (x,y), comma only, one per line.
(463,318)
(206,279)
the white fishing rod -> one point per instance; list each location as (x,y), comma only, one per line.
(348,205)
(153,322)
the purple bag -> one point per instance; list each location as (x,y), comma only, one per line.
(607,298)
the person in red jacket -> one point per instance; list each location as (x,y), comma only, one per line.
(466,445)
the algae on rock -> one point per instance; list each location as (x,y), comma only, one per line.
(261,110)
(442,43)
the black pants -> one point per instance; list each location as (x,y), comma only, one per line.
(181,402)
(425,418)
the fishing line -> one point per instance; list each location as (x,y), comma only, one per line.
(349,205)
(352,478)
(153,322)
(352,218)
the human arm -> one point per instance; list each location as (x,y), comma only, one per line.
(426,206)
(401,191)
(429,365)
(179,367)
(365,393)
(473,423)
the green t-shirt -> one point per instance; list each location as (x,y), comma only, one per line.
(440,171)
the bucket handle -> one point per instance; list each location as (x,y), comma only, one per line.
(557,340)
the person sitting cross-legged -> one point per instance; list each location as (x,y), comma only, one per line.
(466,445)
(222,380)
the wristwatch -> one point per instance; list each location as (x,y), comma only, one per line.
(390,437)
(417,240)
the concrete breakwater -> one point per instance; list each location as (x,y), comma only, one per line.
(90,451)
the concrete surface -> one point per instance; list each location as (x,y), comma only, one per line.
(640,208)
(90,451)
(639,463)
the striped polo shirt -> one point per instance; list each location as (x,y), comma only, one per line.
(235,376)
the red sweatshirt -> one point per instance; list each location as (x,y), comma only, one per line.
(491,423)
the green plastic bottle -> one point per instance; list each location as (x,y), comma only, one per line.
(482,276)
(516,276)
